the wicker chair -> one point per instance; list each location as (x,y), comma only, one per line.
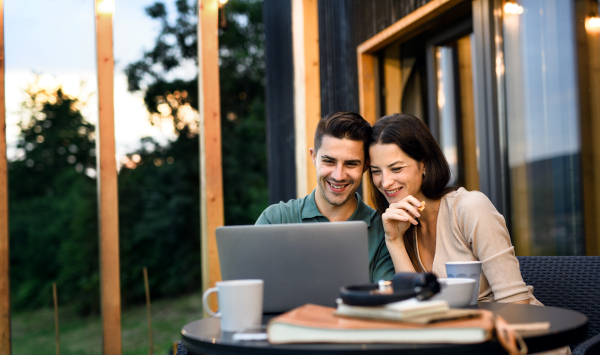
(571,282)
(181,349)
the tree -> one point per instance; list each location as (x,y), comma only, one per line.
(52,185)
(242,71)
(53,211)
(159,219)
(52,203)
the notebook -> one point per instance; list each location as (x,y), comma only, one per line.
(317,324)
(299,263)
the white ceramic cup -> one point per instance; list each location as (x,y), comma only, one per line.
(240,304)
(466,269)
(456,291)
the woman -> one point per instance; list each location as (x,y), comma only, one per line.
(409,171)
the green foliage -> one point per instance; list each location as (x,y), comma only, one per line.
(159,219)
(53,219)
(52,199)
(242,71)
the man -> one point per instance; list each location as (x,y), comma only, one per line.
(340,158)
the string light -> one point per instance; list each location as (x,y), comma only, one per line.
(106,7)
(512,8)
(223,2)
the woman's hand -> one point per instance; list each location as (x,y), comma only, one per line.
(398,217)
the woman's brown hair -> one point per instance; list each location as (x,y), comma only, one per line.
(413,137)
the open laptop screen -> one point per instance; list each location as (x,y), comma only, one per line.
(299,263)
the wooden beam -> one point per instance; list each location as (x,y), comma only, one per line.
(108,204)
(211,176)
(593,40)
(4,252)
(300,133)
(392,80)
(407,26)
(467,106)
(588,65)
(313,82)
(307,89)
(367,99)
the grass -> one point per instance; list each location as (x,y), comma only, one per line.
(33,331)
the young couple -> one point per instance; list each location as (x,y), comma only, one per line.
(407,171)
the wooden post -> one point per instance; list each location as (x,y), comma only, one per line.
(108,205)
(467,105)
(588,65)
(149,311)
(392,80)
(211,176)
(368,104)
(4,260)
(307,89)
(56,331)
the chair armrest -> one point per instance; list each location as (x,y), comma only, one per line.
(588,347)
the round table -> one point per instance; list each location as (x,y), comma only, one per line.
(566,327)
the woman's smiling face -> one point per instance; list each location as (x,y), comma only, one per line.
(395,174)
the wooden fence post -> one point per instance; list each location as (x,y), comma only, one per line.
(108,204)
(211,175)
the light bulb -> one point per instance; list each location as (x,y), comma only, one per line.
(513,9)
(106,7)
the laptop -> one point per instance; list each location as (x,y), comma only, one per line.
(299,263)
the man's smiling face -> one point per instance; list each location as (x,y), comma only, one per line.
(339,164)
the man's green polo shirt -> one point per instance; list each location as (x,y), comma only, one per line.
(304,210)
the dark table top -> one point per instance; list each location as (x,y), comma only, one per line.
(566,327)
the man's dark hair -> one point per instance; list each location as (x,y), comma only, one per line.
(344,125)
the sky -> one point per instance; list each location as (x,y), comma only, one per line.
(56,39)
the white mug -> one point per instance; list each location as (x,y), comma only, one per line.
(466,269)
(240,304)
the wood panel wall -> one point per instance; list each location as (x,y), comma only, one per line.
(4,250)
(211,175)
(108,209)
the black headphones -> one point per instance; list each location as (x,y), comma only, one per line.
(405,285)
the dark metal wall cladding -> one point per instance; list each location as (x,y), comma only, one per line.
(343,25)
(281,158)
(339,79)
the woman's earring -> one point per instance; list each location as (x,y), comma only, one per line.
(423,173)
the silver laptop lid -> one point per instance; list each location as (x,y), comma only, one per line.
(299,263)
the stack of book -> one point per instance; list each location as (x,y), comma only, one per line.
(408,321)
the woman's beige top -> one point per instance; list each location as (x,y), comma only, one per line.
(469,228)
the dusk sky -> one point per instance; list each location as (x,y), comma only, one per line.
(57,38)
